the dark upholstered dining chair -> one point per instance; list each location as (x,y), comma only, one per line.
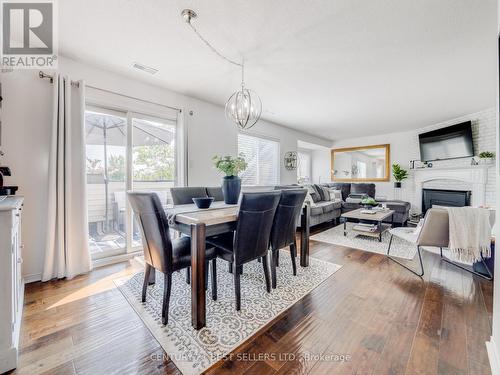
(185,194)
(216,193)
(160,252)
(250,241)
(285,227)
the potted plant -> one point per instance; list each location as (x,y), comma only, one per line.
(369,202)
(399,174)
(231,183)
(486,157)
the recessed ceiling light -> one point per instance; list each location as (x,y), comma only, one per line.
(145,68)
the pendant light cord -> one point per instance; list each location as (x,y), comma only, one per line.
(213,48)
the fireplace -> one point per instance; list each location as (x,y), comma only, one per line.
(449,198)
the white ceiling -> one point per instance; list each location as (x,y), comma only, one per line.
(333,68)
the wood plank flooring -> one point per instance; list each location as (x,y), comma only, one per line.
(371,317)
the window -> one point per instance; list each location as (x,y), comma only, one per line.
(262,156)
(303,167)
(115,164)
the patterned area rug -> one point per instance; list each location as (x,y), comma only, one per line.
(194,351)
(399,248)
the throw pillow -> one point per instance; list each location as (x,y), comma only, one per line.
(315,197)
(309,200)
(335,195)
(325,193)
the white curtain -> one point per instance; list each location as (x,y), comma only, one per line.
(67,248)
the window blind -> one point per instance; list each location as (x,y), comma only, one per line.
(262,156)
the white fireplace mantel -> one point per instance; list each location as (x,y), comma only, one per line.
(476,176)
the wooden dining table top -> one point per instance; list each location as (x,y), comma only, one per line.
(217,213)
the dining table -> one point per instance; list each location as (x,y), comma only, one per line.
(199,224)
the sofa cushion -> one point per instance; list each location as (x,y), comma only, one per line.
(398,206)
(368,189)
(349,206)
(316,211)
(326,206)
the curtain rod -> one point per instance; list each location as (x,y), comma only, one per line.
(76,84)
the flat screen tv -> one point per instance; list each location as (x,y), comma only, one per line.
(447,143)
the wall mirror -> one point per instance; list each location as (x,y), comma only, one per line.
(356,164)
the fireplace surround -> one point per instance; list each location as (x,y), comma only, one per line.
(448,198)
(476,176)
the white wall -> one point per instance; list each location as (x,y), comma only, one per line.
(494,344)
(26,121)
(404,147)
(321,160)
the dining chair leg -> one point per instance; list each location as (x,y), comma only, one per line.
(258,260)
(147,271)
(188,275)
(295,245)
(167,287)
(273,268)
(237,288)
(293,254)
(278,259)
(207,263)
(266,273)
(230,267)
(214,279)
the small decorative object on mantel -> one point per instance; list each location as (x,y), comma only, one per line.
(486,157)
(231,183)
(399,174)
(291,160)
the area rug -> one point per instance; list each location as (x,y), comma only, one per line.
(194,351)
(335,236)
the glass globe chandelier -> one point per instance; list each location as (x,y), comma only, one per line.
(244,106)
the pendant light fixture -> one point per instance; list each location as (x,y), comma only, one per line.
(244,106)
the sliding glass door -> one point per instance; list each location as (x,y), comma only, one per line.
(124,151)
(153,160)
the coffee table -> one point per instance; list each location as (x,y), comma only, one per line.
(378,217)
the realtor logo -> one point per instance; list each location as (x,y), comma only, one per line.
(28,34)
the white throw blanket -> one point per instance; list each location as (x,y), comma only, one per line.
(470,233)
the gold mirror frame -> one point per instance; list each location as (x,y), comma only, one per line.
(387,176)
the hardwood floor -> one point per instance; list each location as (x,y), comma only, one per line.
(371,317)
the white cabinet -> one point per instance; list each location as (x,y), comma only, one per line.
(11,282)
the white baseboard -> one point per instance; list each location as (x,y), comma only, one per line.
(32,278)
(114,259)
(96,263)
(493,355)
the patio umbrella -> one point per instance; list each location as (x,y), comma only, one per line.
(108,130)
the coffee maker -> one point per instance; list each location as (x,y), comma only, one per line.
(6,190)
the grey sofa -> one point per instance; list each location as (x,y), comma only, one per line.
(401,208)
(323,210)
